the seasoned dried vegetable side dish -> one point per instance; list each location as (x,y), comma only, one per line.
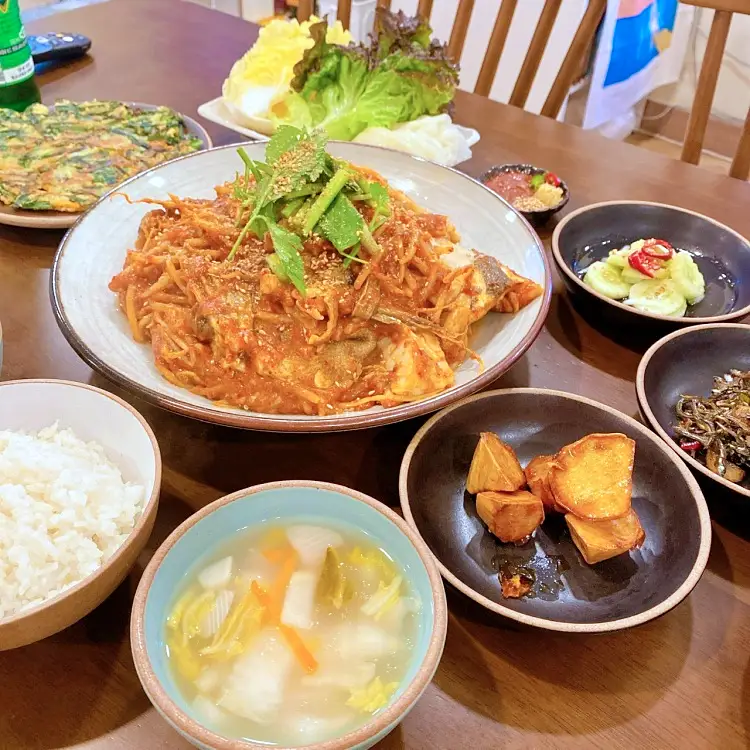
(715,429)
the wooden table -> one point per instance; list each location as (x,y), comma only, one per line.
(682,681)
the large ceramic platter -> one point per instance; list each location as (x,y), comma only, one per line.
(95,248)
(17,217)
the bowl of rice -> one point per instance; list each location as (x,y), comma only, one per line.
(80,472)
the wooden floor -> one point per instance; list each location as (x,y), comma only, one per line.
(712,162)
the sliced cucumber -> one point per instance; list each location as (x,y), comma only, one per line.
(658,297)
(607,280)
(631,275)
(617,259)
(687,276)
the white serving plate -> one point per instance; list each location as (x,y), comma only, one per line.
(217,111)
(222,113)
(94,251)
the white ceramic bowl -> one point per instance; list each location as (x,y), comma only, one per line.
(95,249)
(93,415)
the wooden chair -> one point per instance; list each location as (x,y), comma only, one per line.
(569,69)
(706,87)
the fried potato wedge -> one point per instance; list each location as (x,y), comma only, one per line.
(593,477)
(494,467)
(601,540)
(510,516)
(537,477)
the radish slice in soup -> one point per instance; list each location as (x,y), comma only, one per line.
(258,680)
(342,674)
(208,710)
(312,542)
(364,641)
(217,575)
(299,601)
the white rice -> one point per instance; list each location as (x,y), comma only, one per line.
(64,511)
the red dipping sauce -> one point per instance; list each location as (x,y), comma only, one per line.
(510,185)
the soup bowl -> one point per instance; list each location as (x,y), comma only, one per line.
(306,502)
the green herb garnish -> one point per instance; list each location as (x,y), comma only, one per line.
(342,224)
(308,191)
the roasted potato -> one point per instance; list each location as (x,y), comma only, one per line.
(510,516)
(600,540)
(537,477)
(593,477)
(495,467)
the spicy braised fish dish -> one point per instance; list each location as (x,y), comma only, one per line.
(64,158)
(308,286)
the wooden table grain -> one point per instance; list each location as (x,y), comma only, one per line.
(680,682)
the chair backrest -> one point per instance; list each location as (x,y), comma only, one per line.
(569,69)
(706,87)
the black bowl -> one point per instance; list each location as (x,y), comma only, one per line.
(723,255)
(570,595)
(536,218)
(687,361)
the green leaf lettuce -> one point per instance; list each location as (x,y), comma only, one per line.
(345,90)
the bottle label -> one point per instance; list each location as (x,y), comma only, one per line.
(16,64)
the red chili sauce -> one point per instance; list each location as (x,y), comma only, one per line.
(510,185)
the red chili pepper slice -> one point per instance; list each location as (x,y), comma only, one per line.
(658,249)
(552,179)
(647,265)
(690,445)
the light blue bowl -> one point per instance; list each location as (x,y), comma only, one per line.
(196,539)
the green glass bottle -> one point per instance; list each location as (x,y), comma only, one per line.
(18,88)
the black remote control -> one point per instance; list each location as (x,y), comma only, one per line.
(47,47)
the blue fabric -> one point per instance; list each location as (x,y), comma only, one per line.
(633,46)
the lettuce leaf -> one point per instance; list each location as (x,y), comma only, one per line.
(397,31)
(345,90)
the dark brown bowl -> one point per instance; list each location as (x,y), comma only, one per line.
(687,361)
(589,233)
(570,595)
(536,218)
